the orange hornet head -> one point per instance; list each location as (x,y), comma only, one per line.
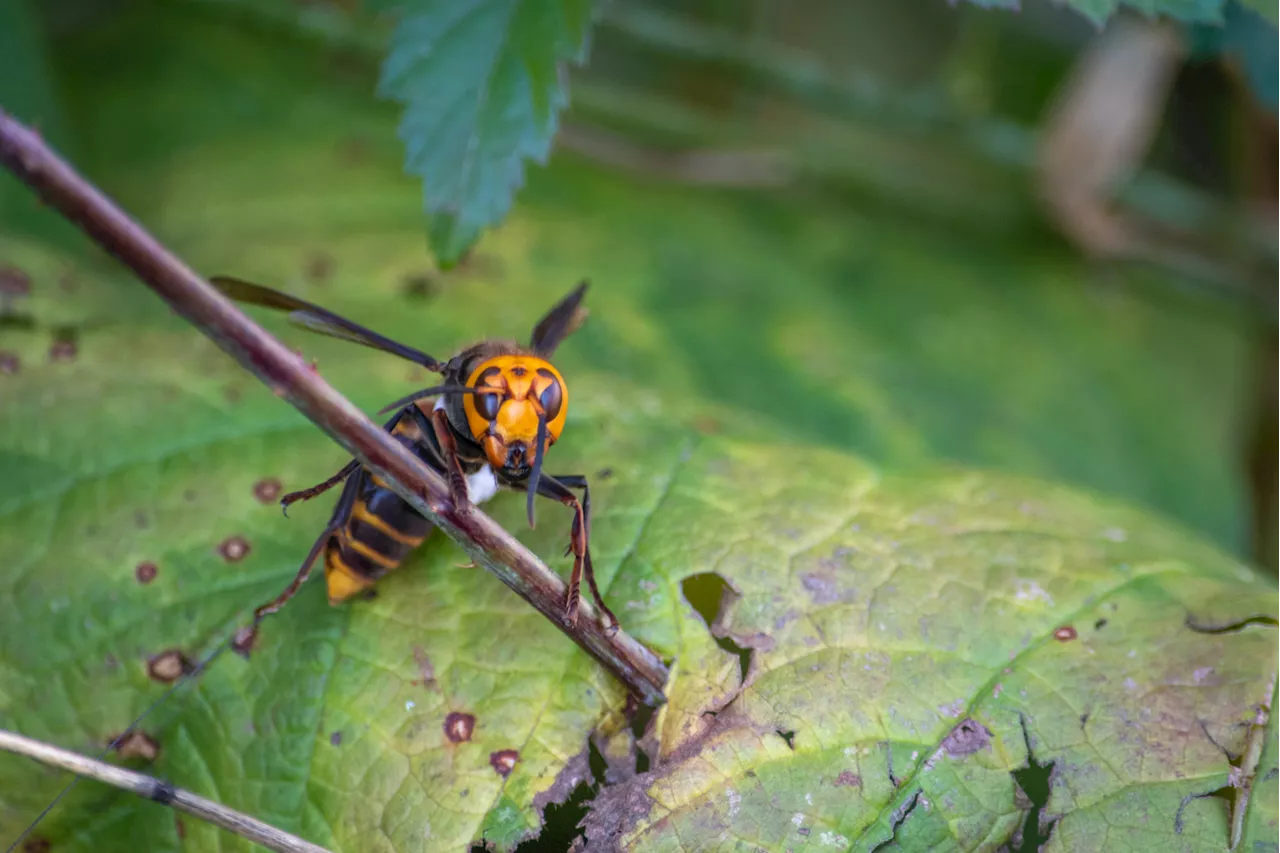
(512,392)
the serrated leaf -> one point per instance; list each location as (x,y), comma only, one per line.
(1248,39)
(482,82)
(1100,11)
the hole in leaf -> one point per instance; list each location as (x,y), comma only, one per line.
(1033,780)
(900,816)
(596,762)
(560,829)
(709,594)
(1226,794)
(639,727)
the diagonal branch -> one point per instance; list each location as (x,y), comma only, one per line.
(27,156)
(161,792)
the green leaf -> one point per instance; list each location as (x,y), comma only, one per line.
(482,82)
(917,642)
(1100,11)
(1246,38)
(882,612)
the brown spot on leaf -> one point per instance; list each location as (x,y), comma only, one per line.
(353,150)
(244,641)
(62,351)
(179,827)
(966,739)
(146,572)
(706,425)
(848,779)
(420,285)
(169,665)
(318,266)
(234,548)
(335,739)
(604,473)
(822,587)
(37,845)
(459,726)
(1065,634)
(9,363)
(504,761)
(425,667)
(136,745)
(231,394)
(14,282)
(267,490)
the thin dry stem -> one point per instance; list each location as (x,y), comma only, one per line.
(27,156)
(160,792)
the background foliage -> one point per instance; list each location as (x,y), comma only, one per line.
(775,390)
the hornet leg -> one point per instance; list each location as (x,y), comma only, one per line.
(340,515)
(453,472)
(558,488)
(320,488)
(339,518)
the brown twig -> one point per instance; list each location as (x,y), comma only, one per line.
(285,373)
(161,792)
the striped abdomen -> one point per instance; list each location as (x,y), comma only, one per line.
(379,532)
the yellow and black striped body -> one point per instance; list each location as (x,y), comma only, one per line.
(380,528)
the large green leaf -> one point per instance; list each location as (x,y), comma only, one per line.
(783,325)
(885,615)
(483,83)
(921,641)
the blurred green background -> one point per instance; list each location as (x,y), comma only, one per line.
(824,214)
